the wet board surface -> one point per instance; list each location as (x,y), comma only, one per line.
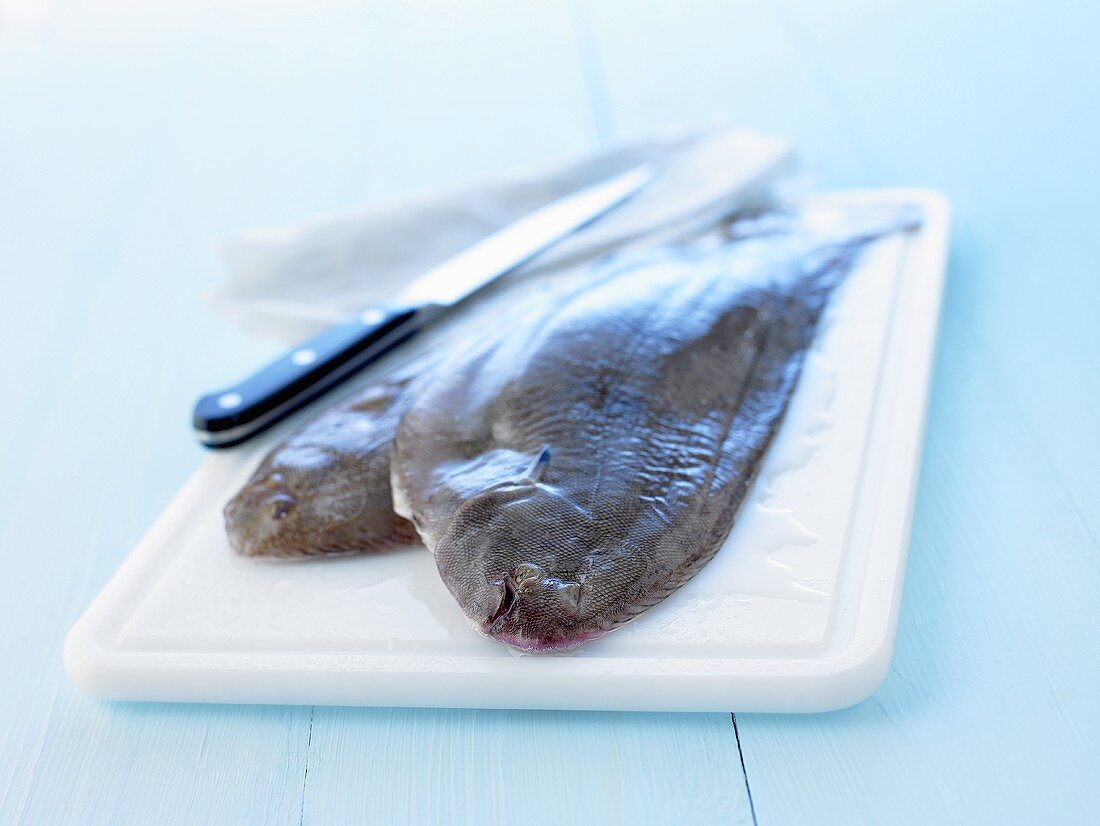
(797,612)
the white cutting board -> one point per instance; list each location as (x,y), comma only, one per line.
(797,612)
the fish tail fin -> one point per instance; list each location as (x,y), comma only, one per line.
(833,251)
(537,471)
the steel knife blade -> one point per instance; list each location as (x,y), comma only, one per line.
(235,414)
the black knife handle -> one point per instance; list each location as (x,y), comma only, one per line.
(274,392)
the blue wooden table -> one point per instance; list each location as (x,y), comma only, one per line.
(133,137)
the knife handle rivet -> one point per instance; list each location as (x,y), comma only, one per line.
(372,317)
(227,401)
(303,357)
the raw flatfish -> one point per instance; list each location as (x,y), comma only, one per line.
(582,468)
(325,490)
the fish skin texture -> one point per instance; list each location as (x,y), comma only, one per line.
(325,490)
(304,499)
(581,469)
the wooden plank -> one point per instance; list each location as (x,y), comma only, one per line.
(132,141)
(469,767)
(674,66)
(986,715)
(95,446)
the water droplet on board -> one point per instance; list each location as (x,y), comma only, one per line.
(811,412)
(766,552)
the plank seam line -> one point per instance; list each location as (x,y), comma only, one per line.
(804,41)
(305,775)
(744,771)
(39,749)
(1033,432)
(592,72)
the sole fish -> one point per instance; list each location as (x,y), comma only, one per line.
(325,490)
(582,468)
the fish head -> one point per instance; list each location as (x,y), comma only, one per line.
(295,503)
(512,557)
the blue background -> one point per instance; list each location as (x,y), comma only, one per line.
(133,137)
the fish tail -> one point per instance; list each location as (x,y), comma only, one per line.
(829,261)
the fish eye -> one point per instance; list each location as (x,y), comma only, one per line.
(279,510)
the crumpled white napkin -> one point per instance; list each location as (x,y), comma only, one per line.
(292,282)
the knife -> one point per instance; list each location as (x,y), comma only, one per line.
(235,414)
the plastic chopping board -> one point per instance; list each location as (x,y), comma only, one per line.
(797,612)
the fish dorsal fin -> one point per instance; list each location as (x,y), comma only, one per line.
(537,471)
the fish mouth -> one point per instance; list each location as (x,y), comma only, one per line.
(507,603)
(251,546)
(257,518)
(505,624)
(537,645)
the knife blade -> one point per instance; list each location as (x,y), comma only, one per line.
(233,415)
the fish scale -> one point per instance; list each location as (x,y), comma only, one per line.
(685,362)
(324,491)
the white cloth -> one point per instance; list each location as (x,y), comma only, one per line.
(292,282)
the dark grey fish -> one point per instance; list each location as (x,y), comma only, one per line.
(583,468)
(325,490)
